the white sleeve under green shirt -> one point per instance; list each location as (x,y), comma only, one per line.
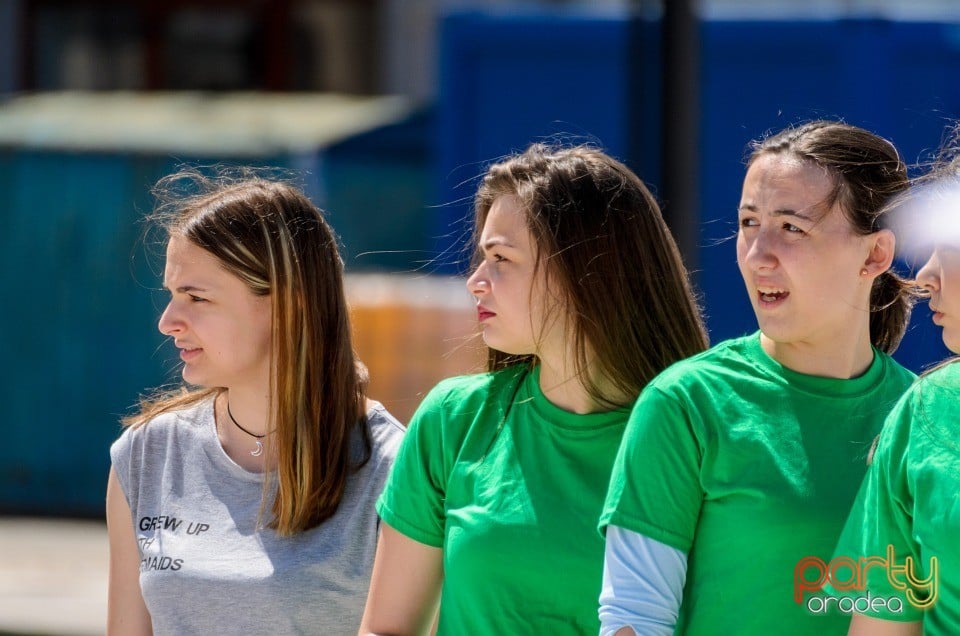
(909,506)
(748,467)
(510,487)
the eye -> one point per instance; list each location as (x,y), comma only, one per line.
(748,221)
(793,229)
(497,258)
(196,299)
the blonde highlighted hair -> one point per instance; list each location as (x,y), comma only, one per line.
(269,235)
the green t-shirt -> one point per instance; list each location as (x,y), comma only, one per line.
(511,487)
(748,467)
(910,503)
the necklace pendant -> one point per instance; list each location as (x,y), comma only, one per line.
(259,450)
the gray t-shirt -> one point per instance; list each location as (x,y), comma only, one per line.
(205,566)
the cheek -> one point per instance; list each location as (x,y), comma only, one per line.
(949,278)
(265,334)
(259,328)
(540,298)
(741,245)
(742,248)
(263,341)
(742,256)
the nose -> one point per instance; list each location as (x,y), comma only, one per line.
(760,252)
(479,281)
(929,275)
(170,323)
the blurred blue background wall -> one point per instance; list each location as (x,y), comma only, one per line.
(509,79)
(80,309)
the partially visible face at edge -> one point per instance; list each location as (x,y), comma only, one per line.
(940,277)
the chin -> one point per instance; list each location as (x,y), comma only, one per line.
(507,348)
(776,332)
(194,378)
(952,343)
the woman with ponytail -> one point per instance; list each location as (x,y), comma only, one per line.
(741,462)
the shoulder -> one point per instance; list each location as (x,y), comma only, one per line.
(720,363)
(932,399)
(386,431)
(170,423)
(143,451)
(158,432)
(471,393)
(462,408)
(686,398)
(925,413)
(943,382)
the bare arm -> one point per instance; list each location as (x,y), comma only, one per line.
(127,614)
(867,626)
(404,586)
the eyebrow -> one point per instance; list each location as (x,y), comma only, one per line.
(186,289)
(749,207)
(495,242)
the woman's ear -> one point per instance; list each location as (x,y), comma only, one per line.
(882,244)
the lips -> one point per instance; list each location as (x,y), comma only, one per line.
(483,313)
(769,295)
(187,353)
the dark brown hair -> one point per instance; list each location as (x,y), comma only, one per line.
(273,238)
(868,173)
(619,277)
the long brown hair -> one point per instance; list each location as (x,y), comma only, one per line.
(868,174)
(619,277)
(269,234)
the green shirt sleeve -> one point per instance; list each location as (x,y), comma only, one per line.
(412,501)
(655,487)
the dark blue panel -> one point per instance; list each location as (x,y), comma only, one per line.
(375,189)
(507,80)
(893,78)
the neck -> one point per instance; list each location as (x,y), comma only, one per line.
(250,409)
(564,387)
(843,357)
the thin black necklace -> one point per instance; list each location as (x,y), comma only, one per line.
(258,451)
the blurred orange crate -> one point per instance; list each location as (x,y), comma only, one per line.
(411,332)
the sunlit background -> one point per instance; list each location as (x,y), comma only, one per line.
(386,112)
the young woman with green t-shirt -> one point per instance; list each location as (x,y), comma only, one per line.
(906,519)
(492,505)
(742,461)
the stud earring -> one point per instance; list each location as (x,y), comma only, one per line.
(864,271)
